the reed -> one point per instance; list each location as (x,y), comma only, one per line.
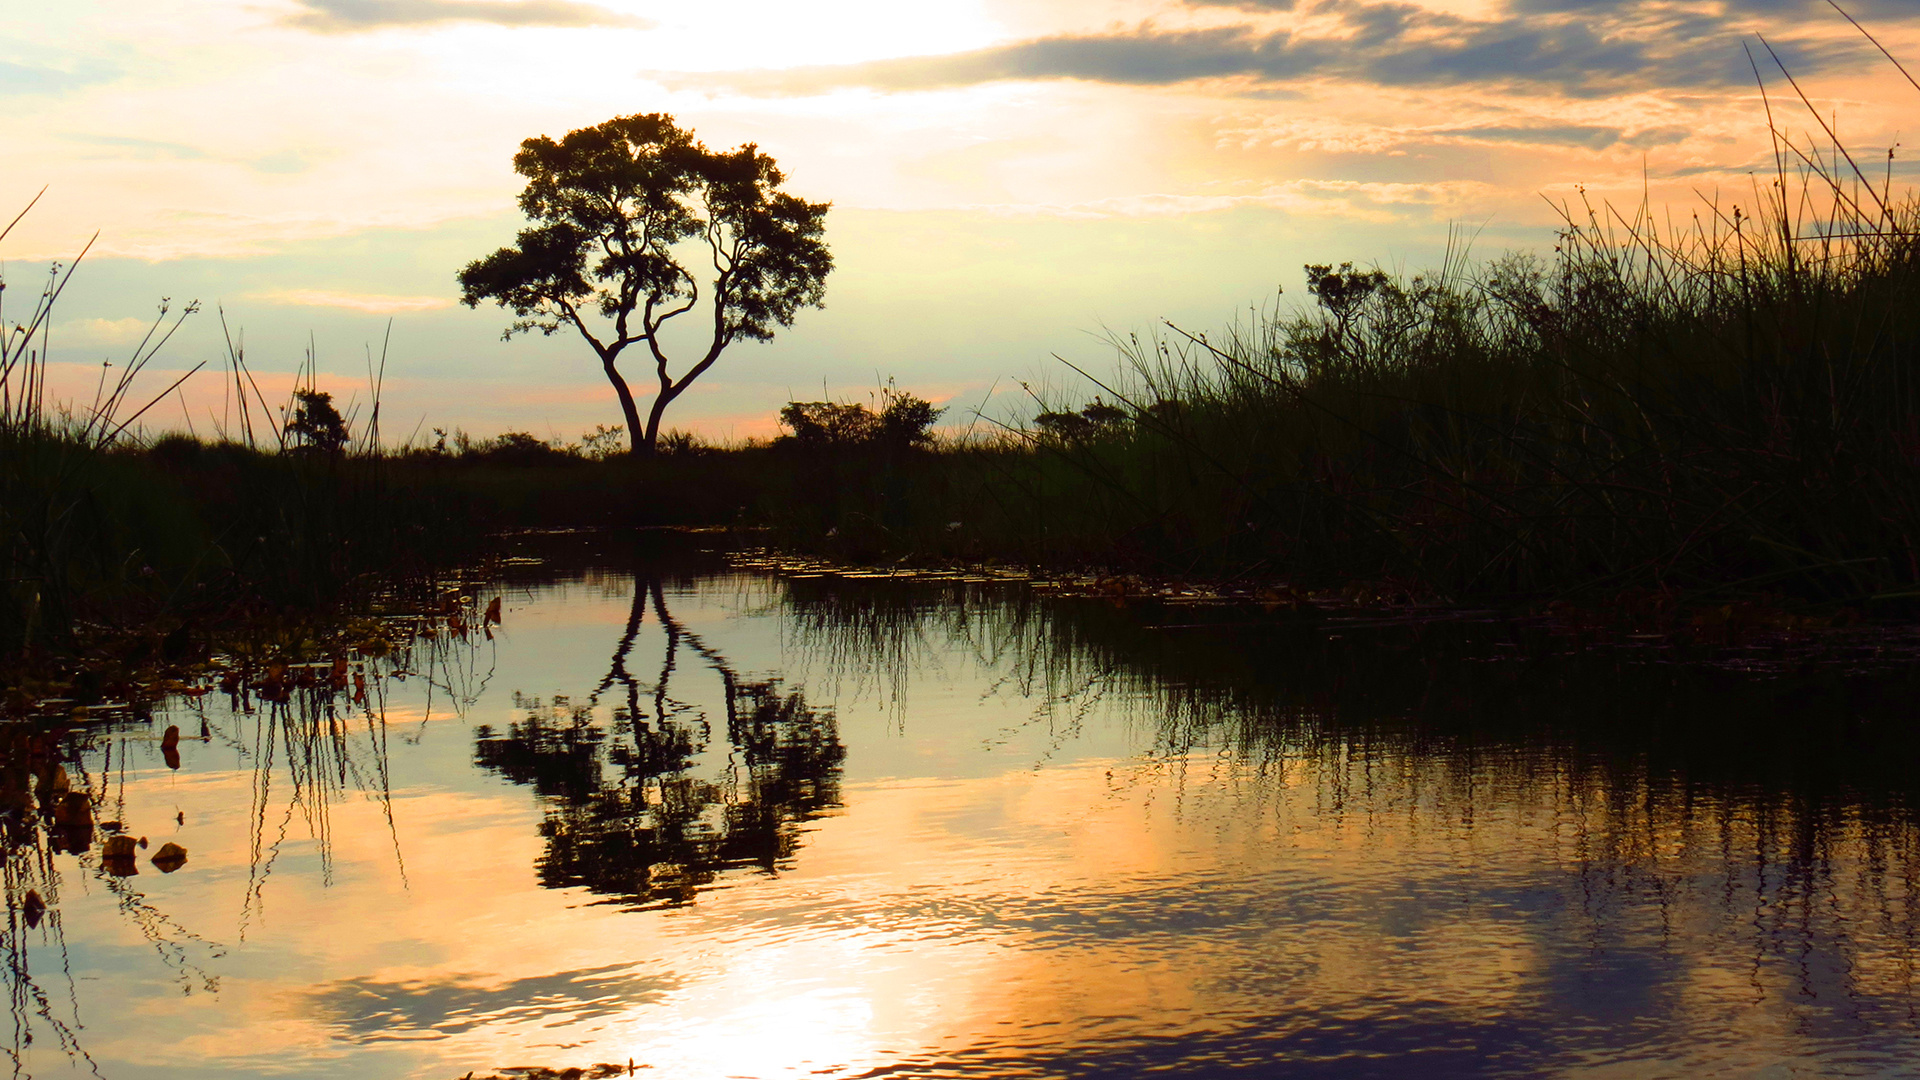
(116,545)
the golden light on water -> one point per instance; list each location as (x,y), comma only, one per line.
(996,884)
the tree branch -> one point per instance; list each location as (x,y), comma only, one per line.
(573,316)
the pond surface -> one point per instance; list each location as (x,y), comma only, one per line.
(723,822)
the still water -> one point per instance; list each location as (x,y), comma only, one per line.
(723,821)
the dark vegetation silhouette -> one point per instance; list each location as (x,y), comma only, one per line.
(903,421)
(1652,419)
(621,211)
(316,424)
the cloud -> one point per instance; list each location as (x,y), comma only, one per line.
(372,304)
(101,332)
(1361,200)
(142,149)
(1334,136)
(1590,136)
(1246,5)
(348,16)
(23,79)
(1859,9)
(284,163)
(1388,44)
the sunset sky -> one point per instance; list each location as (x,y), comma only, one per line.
(1010,180)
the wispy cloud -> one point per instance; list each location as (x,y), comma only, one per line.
(369,303)
(1246,5)
(348,16)
(102,332)
(1335,136)
(1387,44)
(1590,136)
(23,79)
(1359,200)
(123,146)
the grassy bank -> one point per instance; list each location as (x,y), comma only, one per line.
(1724,413)
(1679,417)
(1718,415)
(1727,411)
(1723,410)
(140,552)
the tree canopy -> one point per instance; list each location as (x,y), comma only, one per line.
(901,423)
(615,210)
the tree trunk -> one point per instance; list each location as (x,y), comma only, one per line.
(628,407)
(660,403)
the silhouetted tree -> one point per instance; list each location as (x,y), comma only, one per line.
(612,207)
(902,422)
(1096,418)
(315,421)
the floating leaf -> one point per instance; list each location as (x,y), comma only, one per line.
(117,856)
(170,857)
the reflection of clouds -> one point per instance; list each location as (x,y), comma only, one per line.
(366,1009)
(1418,916)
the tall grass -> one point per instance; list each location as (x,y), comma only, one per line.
(1725,405)
(118,546)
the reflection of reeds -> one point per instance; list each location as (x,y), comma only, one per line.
(51,810)
(323,724)
(316,726)
(1793,798)
(32,888)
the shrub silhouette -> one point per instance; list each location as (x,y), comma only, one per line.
(902,422)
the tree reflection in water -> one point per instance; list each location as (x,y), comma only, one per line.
(626,818)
